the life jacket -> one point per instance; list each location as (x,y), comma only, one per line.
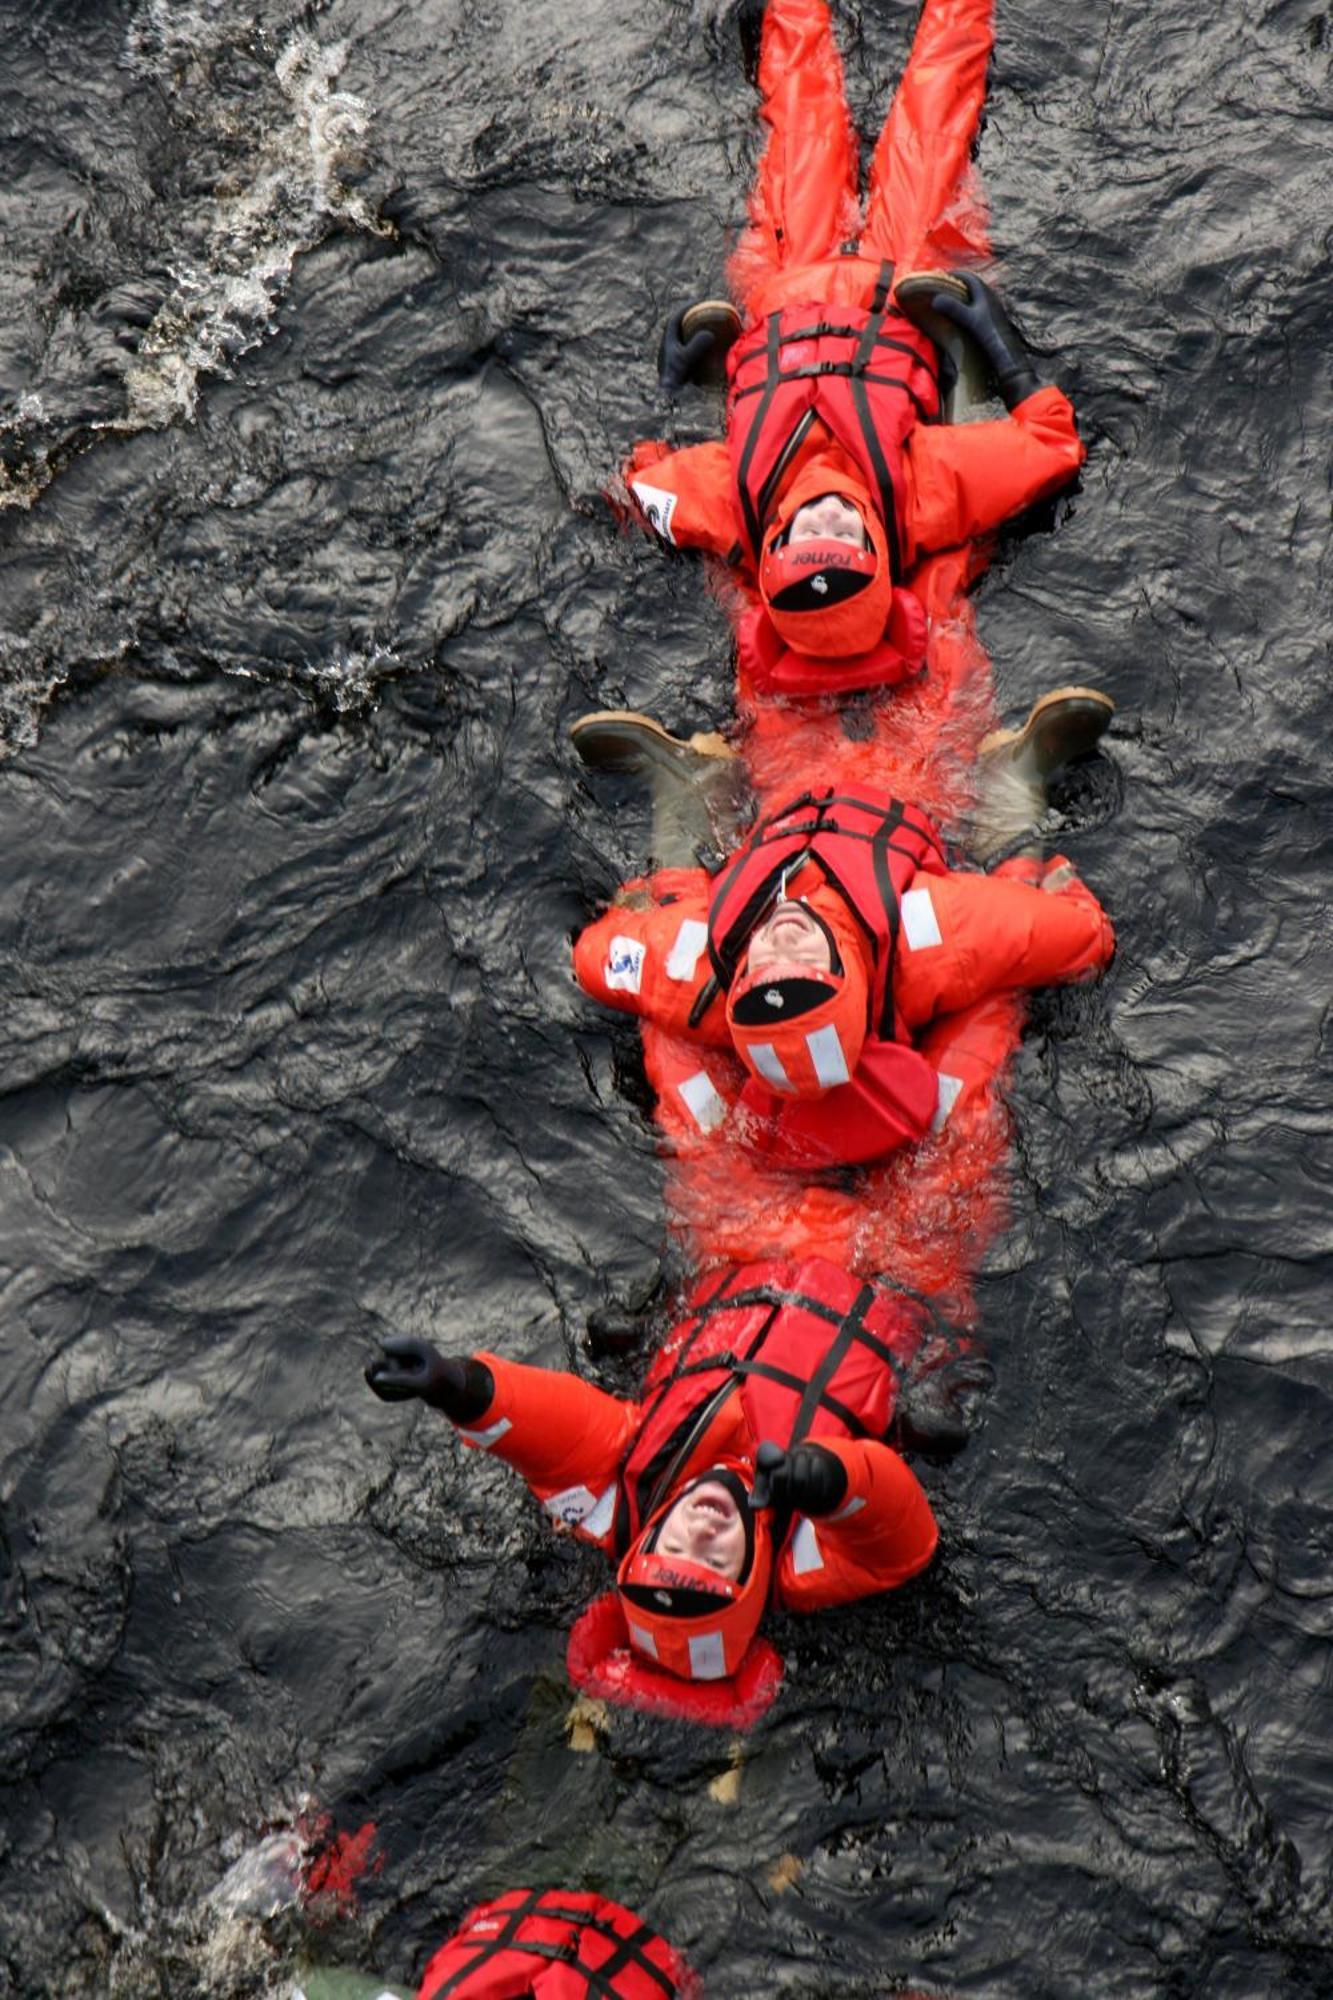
(554,1944)
(806,1351)
(868,376)
(868,847)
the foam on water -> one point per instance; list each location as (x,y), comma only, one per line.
(282,188)
(223,301)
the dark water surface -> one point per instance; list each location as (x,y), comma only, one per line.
(319,331)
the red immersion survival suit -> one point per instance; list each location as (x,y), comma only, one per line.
(776,1352)
(931,943)
(830,388)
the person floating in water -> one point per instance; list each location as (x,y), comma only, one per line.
(822,950)
(836,478)
(754,1469)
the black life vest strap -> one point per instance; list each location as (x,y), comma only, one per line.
(883,286)
(628,1951)
(786,1378)
(753,522)
(816,1395)
(861,404)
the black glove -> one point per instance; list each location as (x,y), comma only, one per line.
(677,358)
(981,315)
(461,1387)
(809,1479)
(933,1413)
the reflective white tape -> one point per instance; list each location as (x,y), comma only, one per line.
(827,1056)
(485,1439)
(643,1640)
(765,1059)
(684,956)
(624,965)
(602,1515)
(947,1092)
(845,1513)
(658,506)
(920,924)
(708,1658)
(805,1551)
(702,1101)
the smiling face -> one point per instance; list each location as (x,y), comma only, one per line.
(791,936)
(705,1526)
(830,518)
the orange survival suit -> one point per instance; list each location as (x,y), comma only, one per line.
(556,1944)
(769,1352)
(926,942)
(830,387)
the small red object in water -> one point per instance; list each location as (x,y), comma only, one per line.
(336,1861)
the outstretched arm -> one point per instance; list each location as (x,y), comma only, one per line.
(683,497)
(564,1436)
(965,479)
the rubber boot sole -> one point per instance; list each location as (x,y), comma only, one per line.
(1064,725)
(621,739)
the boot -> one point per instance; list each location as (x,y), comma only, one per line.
(699,785)
(623,739)
(1015,765)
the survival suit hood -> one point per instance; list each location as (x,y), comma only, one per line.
(826,598)
(684,1616)
(799,1030)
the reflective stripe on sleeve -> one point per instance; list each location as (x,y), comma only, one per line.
(947,1092)
(805,1551)
(920,925)
(702,1101)
(485,1439)
(685,952)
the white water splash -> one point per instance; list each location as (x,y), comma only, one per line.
(291,196)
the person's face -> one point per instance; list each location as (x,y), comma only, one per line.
(789,937)
(705,1526)
(828,519)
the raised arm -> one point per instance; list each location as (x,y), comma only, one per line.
(566,1438)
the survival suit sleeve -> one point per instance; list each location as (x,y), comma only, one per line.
(883,1533)
(649,955)
(890,1102)
(683,497)
(998,933)
(965,479)
(567,1439)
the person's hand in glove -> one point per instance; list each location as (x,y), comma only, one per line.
(808,1479)
(933,1413)
(982,316)
(694,345)
(456,1384)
